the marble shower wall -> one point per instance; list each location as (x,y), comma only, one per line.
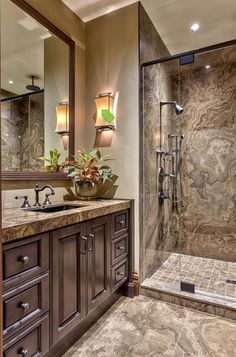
(203,224)
(23,133)
(208,218)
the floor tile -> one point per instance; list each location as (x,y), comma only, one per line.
(144,327)
(115,342)
(207,336)
(151,319)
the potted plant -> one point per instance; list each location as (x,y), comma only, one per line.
(52,161)
(88,170)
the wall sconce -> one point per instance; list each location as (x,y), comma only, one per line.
(62,128)
(105,123)
(105,116)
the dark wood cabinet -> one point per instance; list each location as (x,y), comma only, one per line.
(25,259)
(68,270)
(56,284)
(98,255)
(80,272)
(23,305)
(31,342)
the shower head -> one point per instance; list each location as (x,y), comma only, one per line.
(178,109)
(31,86)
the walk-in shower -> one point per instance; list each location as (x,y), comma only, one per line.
(188,181)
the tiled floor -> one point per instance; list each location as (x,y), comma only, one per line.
(143,327)
(208,275)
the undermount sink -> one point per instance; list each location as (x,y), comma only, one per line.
(55,208)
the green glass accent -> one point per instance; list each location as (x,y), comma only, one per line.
(107,115)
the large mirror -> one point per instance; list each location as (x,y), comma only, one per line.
(36,91)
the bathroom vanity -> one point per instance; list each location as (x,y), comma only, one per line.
(61,272)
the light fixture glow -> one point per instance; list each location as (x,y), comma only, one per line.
(62,128)
(10,82)
(105,115)
(195,27)
(65,140)
(207,66)
(62,113)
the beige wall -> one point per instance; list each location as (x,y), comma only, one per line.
(112,65)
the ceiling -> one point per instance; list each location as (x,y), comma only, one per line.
(173,18)
(22,49)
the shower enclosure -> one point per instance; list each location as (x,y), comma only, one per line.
(189,175)
(22,120)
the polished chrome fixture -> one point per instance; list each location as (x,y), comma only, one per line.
(178,109)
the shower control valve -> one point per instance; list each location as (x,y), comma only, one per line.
(163,197)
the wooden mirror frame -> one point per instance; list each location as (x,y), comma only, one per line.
(38,175)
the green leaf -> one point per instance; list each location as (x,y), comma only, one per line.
(107,115)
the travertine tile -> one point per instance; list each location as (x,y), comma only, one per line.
(144,327)
(113,341)
(205,335)
(151,319)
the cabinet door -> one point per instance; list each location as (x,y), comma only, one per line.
(68,279)
(98,248)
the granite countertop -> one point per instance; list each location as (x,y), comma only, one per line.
(19,223)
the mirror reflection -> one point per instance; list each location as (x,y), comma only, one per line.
(34,82)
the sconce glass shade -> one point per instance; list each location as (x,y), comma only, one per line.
(65,140)
(62,113)
(105,117)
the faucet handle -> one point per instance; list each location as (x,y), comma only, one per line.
(25,203)
(47,201)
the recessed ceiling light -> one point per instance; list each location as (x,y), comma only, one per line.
(195,27)
(207,66)
(10,82)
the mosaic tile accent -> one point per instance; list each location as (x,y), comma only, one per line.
(208,275)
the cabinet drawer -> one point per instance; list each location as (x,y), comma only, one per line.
(119,223)
(119,249)
(119,274)
(32,342)
(24,259)
(24,304)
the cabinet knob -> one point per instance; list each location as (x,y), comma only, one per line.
(23,352)
(120,273)
(24,305)
(122,222)
(120,247)
(24,259)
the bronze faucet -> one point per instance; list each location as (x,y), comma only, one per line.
(38,189)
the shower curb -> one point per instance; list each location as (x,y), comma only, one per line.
(191,301)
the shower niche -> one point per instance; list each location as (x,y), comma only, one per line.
(188,180)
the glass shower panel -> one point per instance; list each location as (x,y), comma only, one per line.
(161,180)
(208,235)
(189,171)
